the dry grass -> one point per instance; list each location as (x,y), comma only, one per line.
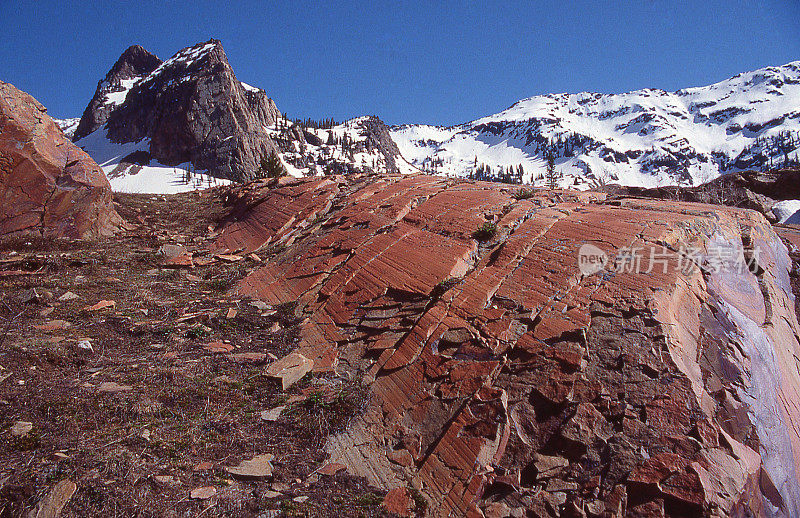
(186,406)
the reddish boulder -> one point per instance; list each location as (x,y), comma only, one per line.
(48,186)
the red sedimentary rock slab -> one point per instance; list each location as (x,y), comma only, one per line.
(506,379)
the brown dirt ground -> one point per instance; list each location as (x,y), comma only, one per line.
(186,406)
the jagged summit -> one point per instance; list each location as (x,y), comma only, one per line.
(188,122)
(646,137)
(132,65)
(187,109)
(198,123)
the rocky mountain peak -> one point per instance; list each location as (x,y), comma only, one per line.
(135,63)
(190,108)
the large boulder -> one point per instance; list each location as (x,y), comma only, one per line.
(538,368)
(48,186)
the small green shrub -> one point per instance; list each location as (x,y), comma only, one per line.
(523,194)
(486,231)
(442,287)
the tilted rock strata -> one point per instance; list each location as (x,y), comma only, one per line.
(506,381)
(48,185)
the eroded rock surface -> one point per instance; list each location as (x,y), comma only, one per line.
(505,381)
(48,186)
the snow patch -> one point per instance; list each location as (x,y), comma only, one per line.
(150,178)
(787,211)
(68,126)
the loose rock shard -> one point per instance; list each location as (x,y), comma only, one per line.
(259,466)
(290,369)
(103,304)
(21,428)
(218,347)
(112,387)
(331,469)
(398,501)
(203,493)
(503,377)
(272,414)
(52,504)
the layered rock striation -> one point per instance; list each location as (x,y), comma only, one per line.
(48,186)
(509,381)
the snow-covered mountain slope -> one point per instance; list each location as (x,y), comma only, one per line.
(645,138)
(359,144)
(353,146)
(130,168)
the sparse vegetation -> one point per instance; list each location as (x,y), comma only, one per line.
(523,194)
(271,166)
(486,231)
(442,287)
(552,177)
(329,408)
(170,404)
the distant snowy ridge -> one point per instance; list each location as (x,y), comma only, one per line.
(644,138)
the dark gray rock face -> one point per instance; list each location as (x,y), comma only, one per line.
(134,63)
(378,137)
(193,109)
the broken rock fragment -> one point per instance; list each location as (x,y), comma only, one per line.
(203,493)
(259,466)
(103,304)
(290,369)
(53,503)
(398,501)
(21,428)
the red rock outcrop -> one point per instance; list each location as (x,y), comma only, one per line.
(48,185)
(505,381)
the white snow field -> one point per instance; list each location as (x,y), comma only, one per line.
(153,178)
(787,211)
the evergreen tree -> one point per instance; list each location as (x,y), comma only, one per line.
(271,166)
(552,177)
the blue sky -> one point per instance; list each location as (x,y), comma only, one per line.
(412,61)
